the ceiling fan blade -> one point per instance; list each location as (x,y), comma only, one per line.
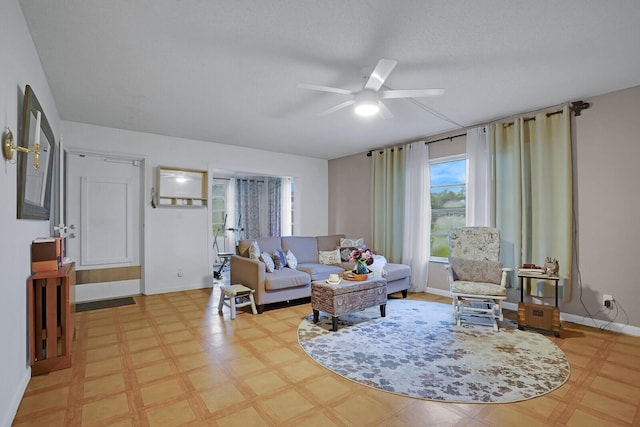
(338,107)
(411,93)
(380,74)
(324,88)
(384,112)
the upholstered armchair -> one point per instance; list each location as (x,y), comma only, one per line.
(477,279)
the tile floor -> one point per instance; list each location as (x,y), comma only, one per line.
(172,360)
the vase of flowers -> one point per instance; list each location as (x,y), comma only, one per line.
(362,257)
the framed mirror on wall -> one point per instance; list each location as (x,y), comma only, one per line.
(35,165)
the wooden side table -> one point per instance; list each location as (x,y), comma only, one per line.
(538,316)
(51,299)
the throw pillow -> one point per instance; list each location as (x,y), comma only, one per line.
(268,262)
(292,261)
(254,250)
(476,271)
(358,243)
(279,259)
(329,257)
(345,252)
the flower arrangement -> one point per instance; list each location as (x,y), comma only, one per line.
(362,257)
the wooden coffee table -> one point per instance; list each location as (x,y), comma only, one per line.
(347,297)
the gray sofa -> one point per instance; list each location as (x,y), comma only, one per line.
(289,284)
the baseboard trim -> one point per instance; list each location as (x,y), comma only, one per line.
(12,408)
(567,317)
(169,289)
(601,324)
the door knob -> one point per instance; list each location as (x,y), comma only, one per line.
(72,235)
(72,227)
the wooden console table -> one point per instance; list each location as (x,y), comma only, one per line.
(538,316)
(51,299)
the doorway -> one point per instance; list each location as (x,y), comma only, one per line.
(104,208)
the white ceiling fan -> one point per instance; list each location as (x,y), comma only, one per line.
(368,100)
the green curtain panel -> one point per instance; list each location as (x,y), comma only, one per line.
(533,193)
(387,202)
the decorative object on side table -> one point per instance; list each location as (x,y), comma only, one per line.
(551,266)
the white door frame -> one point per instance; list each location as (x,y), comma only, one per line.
(144,172)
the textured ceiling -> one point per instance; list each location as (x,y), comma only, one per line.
(226,71)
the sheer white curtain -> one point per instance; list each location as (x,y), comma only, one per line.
(286,207)
(417,215)
(479,179)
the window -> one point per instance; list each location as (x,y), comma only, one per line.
(219,206)
(448,201)
(292,203)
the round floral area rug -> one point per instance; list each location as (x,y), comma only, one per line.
(418,351)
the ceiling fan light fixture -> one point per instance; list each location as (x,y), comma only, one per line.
(367,109)
(367,103)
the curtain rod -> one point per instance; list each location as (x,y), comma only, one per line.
(450,138)
(576,108)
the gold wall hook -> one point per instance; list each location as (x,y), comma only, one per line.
(8,147)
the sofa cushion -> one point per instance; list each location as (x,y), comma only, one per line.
(329,257)
(319,271)
(358,243)
(284,279)
(254,250)
(345,252)
(279,259)
(268,244)
(328,243)
(268,261)
(396,271)
(305,248)
(292,261)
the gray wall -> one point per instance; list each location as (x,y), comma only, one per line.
(606,153)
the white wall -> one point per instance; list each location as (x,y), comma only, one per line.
(180,238)
(20,66)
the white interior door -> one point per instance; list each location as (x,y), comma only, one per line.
(104,217)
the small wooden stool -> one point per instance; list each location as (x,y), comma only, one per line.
(229,294)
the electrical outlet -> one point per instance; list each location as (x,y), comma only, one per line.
(607,300)
(179,272)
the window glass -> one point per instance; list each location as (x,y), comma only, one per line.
(218,206)
(448,202)
(292,204)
